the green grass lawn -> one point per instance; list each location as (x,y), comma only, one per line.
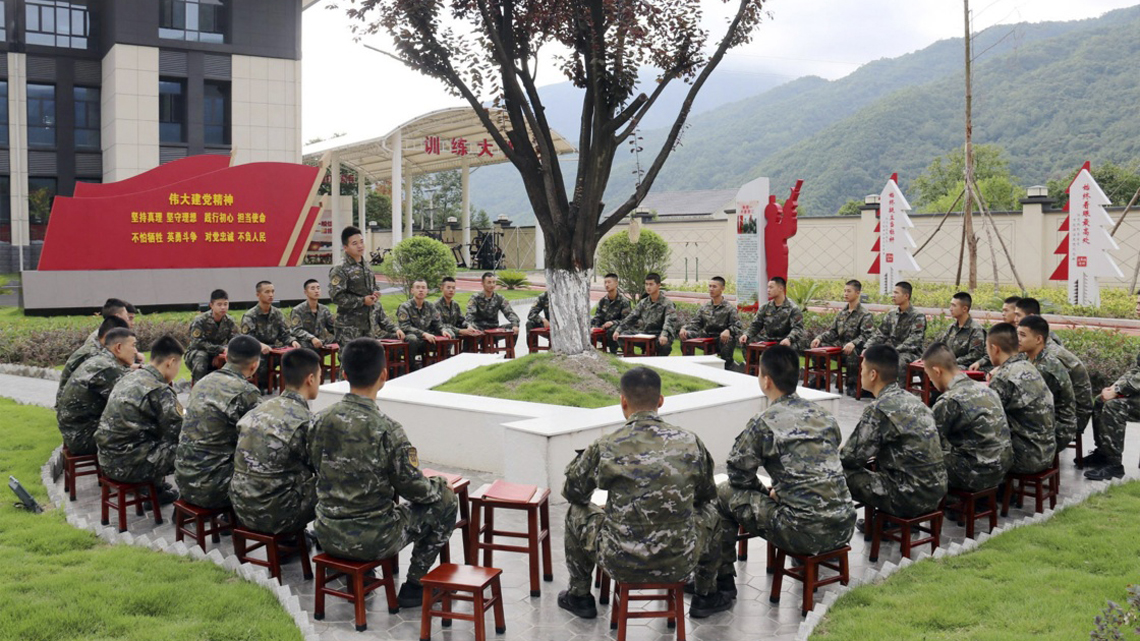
(1040,582)
(57,582)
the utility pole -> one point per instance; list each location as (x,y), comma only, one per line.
(967,211)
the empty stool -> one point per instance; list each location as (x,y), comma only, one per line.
(1042,485)
(187,516)
(277,547)
(930,523)
(359,585)
(820,363)
(630,343)
(117,495)
(443,349)
(806,571)
(532,339)
(672,593)
(509,496)
(447,582)
(492,338)
(689,346)
(77,466)
(398,357)
(966,506)
(752,354)
(923,388)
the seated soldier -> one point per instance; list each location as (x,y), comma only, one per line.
(1008,315)
(267,324)
(1032,307)
(204,459)
(450,314)
(852,326)
(483,308)
(902,328)
(897,433)
(210,332)
(273,489)
(655,315)
(140,426)
(87,350)
(539,314)
(717,319)
(85,396)
(779,320)
(382,326)
(419,321)
(1027,401)
(311,322)
(965,337)
(364,463)
(808,509)
(611,309)
(974,432)
(1115,406)
(1032,337)
(659,512)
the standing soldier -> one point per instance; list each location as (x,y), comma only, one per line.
(420,321)
(655,315)
(204,459)
(660,508)
(450,314)
(1115,406)
(267,324)
(779,320)
(1032,337)
(717,319)
(364,463)
(311,322)
(210,332)
(273,489)
(88,350)
(85,396)
(352,285)
(611,309)
(483,308)
(903,329)
(140,426)
(965,337)
(852,326)
(1026,400)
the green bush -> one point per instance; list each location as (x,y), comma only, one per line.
(632,261)
(512,279)
(804,291)
(419,258)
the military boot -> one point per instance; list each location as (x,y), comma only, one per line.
(579,606)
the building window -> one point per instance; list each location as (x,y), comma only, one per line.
(216,113)
(5,212)
(3,23)
(3,111)
(55,23)
(171,110)
(41,195)
(41,116)
(193,20)
(87,119)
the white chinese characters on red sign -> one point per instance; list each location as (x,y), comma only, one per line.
(1089,240)
(895,242)
(436,146)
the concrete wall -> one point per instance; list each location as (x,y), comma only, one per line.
(129,111)
(266,109)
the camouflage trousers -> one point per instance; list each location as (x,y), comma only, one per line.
(1110,419)
(850,366)
(205,486)
(905,359)
(199,363)
(880,492)
(156,466)
(726,350)
(347,329)
(963,473)
(289,515)
(416,346)
(80,442)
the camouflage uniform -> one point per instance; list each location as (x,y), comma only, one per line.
(1028,406)
(140,427)
(610,310)
(1110,418)
(1064,400)
(539,310)
(1082,384)
(80,356)
(273,489)
(208,339)
(660,509)
(985,364)
(307,324)
(382,326)
(797,443)
(850,326)
(416,322)
(711,320)
(83,399)
(976,445)
(204,459)
(904,331)
(269,328)
(776,322)
(483,312)
(349,283)
(968,342)
(657,318)
(364,463)
(898,431)
(451,316)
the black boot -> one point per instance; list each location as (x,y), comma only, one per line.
(705,605)
(579,606)
(411,594)
(1093,459)
(1105,472)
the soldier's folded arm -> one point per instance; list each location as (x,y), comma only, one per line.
(914,339)
(407,479)
(746,456)
(862,445)
(164,405)
(581,477)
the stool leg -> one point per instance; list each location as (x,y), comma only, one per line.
(1007,492)
(358,600)
(465,514)
(993,512)
(679,612)
(810,575)
(500,617)
(771,566)
(271,553)
(971,515)
(199,531)
(473,532)
(445,552)
(479,612)
(741,545)
(844,570)
(445,599)
(544,522)
(389,574)
(604,578)
(532,550)
(104,498)
(179,523)
(1054,490)
(137,501)
(155,506)
(671,608)
(432,594)
(623,611)
(615,611)
(215,536)
(777,577)
(489,517)
(905,541)
(69,478)
(121,499)
(1039,496)
(936,534)
(319,597)
(876,536)
(303,549)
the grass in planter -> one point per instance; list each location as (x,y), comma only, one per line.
(589,381)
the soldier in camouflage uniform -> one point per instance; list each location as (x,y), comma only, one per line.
(902,328)
(267,324)
(965,337)
(450,314)
(85,396)
(655,314)
(1027,401)
(539,314)
(1082,387)
(852,326)
(141,423)
(87,350)
(420,321)
(611,309)
(1115,406)
(352,286)
(660,507)
(114,307)
(483,309)
(779,320)
(717,319)
(311,322)
(1008,315)
(204,458)
(976,444)
(364,462)
(898,432)
(210,332)
(384,327)
(1032,337)
(273,489)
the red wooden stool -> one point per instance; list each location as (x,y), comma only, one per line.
(1045,484)
(976,375)
(277,547)
(598,338)
(77,466)
(459,485)
(359,585)
(820,363)
(532,339)
(492,338)
(630,343)
(806,571)
(331,368)
(276,380)
(858,376)
(689,346)
(742,537)
(443,584)
(443,349)
(488,498)
(191,520)
(472,344)
(966,506)
(117,495)
(902,533)
(752,356)
(1078,444)
(673,594)
(923,387)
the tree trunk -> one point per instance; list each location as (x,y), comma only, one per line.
(569,295)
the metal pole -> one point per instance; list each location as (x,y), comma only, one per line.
(397,183)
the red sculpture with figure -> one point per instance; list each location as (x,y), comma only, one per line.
(780,225)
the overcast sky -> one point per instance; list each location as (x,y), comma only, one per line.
(352,90)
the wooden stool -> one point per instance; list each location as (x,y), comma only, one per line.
(923,388)
(742,537)
(491,344)
(532,339)
(806,571)
(537,534)
(77,466)
(602,582)
(1045,484)
(187,516)
(397,355)
(117,494)
(820,363)
(858,377)
(975,374)
(358,585)
(967,507)
(276,380)
(752,356)
(902,533)
(689,346)
(332,367)
(442,584)
(630,343)
(459,485)
(598,338)
(472,344)
(277,547)
(673,594)
(443,349)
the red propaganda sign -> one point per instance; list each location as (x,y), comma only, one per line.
(254,215)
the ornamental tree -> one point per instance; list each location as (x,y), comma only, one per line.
(487,51)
